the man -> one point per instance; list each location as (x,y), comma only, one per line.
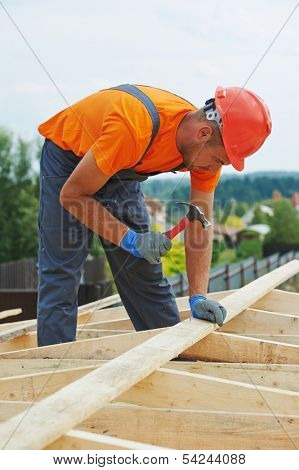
(124,135)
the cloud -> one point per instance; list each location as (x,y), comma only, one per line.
(186,47)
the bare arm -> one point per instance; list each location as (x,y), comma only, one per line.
(198,245)
(76,194)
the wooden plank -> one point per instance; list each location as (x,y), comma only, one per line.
(83,311)
(17,343)
(226,347)
(10,313)
(118,324)
(194,429)
(12,367)
(72,404)
(82,440)
(108,347)
(163,388)
(279,301)
(198,429)
(287,339)
(99,304)
(167,388)
(87,333)
(259,321)
(268,375)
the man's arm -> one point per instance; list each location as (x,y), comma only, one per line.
(76,197)
(76,194)
(198,245)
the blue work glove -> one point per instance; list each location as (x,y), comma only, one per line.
(150,245)
(205,309)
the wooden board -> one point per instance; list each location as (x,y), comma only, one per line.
(72,404)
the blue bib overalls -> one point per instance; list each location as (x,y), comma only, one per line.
(64,243)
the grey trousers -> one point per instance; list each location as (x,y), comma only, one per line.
(63,248)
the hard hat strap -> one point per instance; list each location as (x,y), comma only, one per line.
(212,113)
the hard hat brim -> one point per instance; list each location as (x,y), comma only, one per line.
(237,162)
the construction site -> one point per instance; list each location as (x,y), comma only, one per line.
(234,387)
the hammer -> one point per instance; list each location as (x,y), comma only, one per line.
(194,213)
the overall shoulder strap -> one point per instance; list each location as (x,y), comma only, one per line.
(151,108)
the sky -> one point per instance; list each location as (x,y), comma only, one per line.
(189,48)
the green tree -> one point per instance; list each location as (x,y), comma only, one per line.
(19,188)
(284,224)
(259,217)
(248,248)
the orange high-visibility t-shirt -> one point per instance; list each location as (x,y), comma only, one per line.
(117,127)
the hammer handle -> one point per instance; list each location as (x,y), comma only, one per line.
(174,231)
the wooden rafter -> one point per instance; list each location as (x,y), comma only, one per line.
(72,404)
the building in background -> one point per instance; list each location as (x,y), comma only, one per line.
(157,211)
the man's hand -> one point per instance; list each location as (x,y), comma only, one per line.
(209,310)
(150,245)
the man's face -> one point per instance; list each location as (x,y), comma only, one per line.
(204,156)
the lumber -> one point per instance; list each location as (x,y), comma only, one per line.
(204,429)
(18,343)
(279,301)
(73,403)
(259,321)
(284,376)
(10,313)
(12,367)
(108,347)
(89,333)
(228,347)
(81,440)
(288,339)
(83,311)
(195,429)
(167,388)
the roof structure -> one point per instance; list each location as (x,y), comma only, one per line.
(115,388)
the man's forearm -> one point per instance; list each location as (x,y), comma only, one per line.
(93,215)
(198,247)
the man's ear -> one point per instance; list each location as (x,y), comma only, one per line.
(204,133)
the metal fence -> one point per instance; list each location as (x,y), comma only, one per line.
(234,276)
(19,274)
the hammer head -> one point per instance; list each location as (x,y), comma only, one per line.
(195,213)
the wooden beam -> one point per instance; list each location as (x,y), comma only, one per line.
(118,324)
(17,343)
(82,440)
(38,386)
(279,301)
(167,388)
(10,313)
(287,339)
(19,330)
(108,347)
(198,429)
(88,333)
(72,404)
(194,429)
(259,321)
(226,347)
(12,367)
(267,375)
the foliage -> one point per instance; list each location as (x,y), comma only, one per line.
(248,248)
(174,261)
(259,217)
(284,224)
(235,222)
(241,208)
(19,189)
(248,189)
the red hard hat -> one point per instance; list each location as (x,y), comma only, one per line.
(246,123)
